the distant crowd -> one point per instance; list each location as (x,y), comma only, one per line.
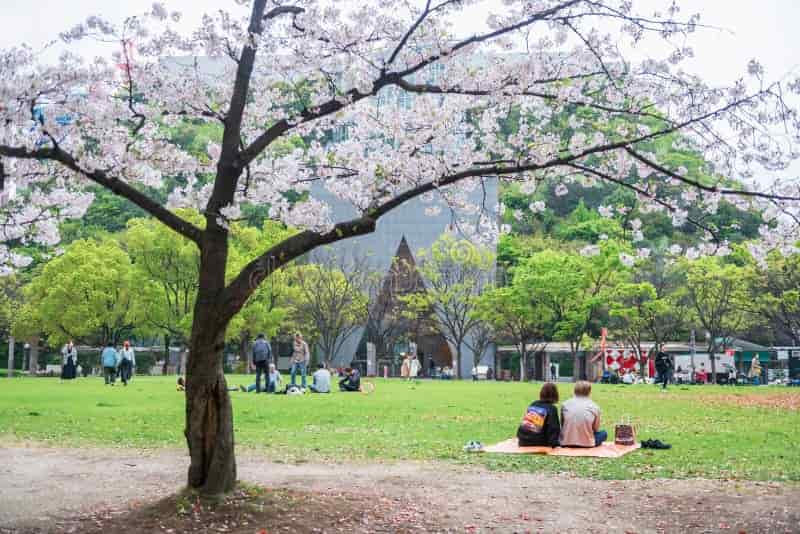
(115,362)
(262,363)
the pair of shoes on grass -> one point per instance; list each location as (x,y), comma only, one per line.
(473,446)
(655,444)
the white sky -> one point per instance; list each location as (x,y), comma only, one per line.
(763,29)
(766,30)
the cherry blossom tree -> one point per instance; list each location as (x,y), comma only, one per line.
(279,76)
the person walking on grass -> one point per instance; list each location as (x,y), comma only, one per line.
(109,360)
(663,367)
(580,419)
(69,357)
(300,359)
(413,367)
(405,367)
(262,357)
(127,361)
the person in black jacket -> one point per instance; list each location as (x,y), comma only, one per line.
(351,381)
(540,426)
(663,367)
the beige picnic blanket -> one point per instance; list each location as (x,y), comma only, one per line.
(606,450)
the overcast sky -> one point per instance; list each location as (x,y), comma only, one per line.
(763,29)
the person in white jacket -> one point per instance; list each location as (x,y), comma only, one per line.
(127,361)
(413,367)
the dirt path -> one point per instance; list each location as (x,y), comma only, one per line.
(43,489)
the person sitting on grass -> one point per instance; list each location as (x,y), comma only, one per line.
(628,378)
(351,382)
(540,426)
(181,385)
(580,419)
(273,380)
(321,380)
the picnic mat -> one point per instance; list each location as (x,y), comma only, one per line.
(606,450)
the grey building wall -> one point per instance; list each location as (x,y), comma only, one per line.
(420,230)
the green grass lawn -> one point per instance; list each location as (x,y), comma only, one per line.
(712,433)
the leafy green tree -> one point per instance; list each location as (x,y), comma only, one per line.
(514,314)
(587,225)
(775,295)
(327,302)
(10,303)
(632,307)
(718,295)
(108,214)
(165,266)
(455,273)
(88,294)
(573,288)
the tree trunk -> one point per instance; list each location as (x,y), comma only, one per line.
(576,367)
(522,358)
(244,339)
(713,366)
(209,414)
(10,356)
(166,355)
(642,362)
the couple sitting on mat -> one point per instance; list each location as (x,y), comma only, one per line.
(580,420)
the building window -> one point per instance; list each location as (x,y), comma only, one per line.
(435,73)
(404,100)
(339,134)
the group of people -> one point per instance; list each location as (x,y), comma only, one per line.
(263,364)
(114,362)
(410,367)
(118,361)
(579,425)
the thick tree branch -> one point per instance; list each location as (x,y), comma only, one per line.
(709,188)
(241,86)
(111,183)
(425,12)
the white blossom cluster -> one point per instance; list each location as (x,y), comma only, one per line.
(374,101)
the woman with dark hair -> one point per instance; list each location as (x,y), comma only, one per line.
(540,426)
(69,361)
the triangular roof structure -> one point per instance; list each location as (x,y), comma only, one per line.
(402,277)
